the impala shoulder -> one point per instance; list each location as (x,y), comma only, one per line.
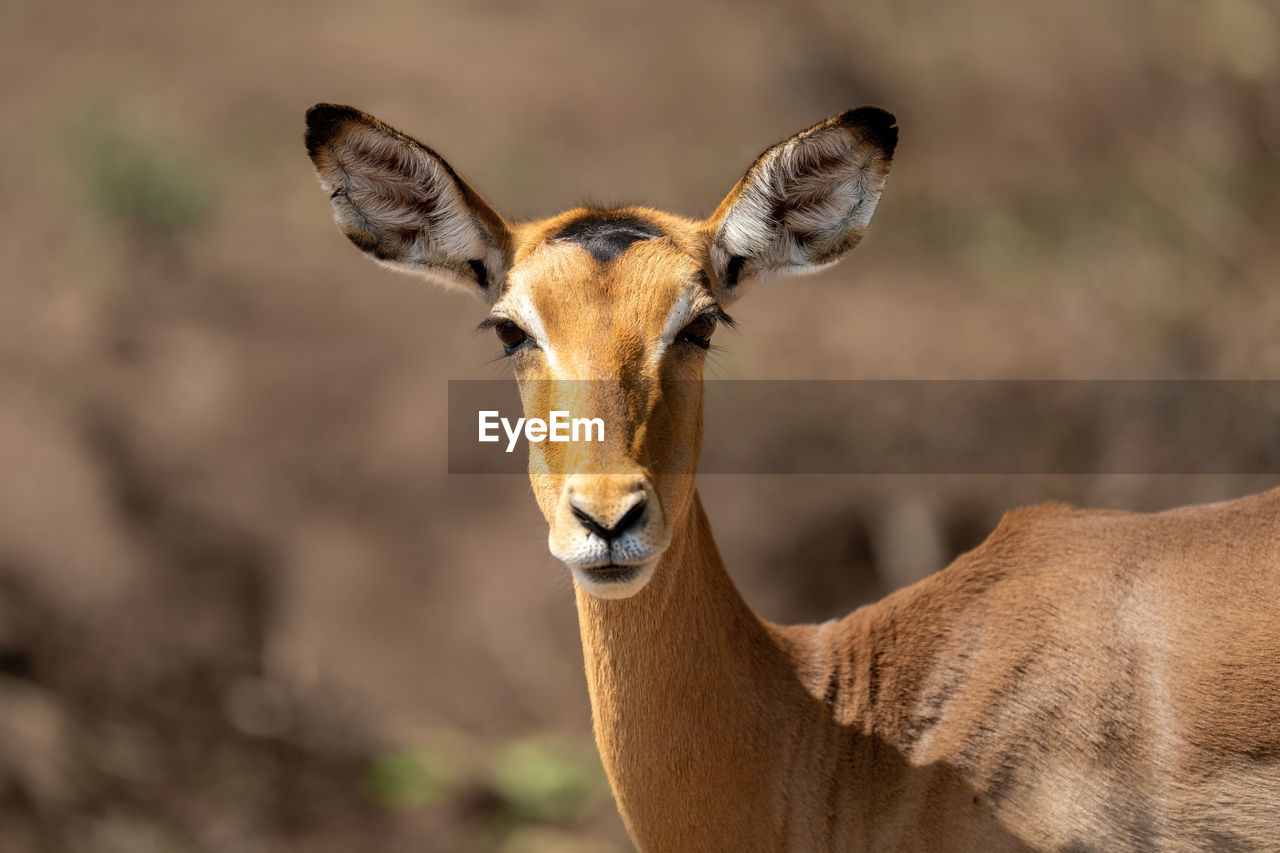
(1034,550)
(1037,517)
(1054,527)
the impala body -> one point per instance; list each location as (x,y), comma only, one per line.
(1083,680)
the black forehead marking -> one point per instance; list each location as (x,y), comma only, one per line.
(606,234)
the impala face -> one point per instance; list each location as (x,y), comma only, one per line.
(610,316)
(607,313)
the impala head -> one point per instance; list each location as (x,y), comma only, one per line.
(607,313)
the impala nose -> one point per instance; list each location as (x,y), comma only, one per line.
(602,527)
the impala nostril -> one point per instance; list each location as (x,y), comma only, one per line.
(631,517)
(606,532)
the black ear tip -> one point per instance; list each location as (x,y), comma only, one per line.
(324,121)
(878,126)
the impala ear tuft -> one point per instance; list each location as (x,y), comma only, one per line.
(878,128)
(806,202)
(403,205)
(325,122)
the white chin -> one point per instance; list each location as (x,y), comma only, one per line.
(615,583)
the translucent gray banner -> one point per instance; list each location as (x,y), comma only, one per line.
(910,427)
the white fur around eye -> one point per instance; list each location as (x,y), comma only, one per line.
(515,303)
(679,315)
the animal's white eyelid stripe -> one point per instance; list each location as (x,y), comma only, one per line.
(528,318)
(689,305)
(677,317)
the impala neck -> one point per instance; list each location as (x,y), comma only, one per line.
(698,703)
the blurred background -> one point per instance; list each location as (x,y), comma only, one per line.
(243,606)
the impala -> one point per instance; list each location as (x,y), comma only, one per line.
(1083,680)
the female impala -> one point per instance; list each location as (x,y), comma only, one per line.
(1081,681)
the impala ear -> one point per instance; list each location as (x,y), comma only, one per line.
(403,205)
(805,202)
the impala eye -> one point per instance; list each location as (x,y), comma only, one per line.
(699,331)
(511,335)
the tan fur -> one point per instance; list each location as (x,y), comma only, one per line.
(1081,681)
